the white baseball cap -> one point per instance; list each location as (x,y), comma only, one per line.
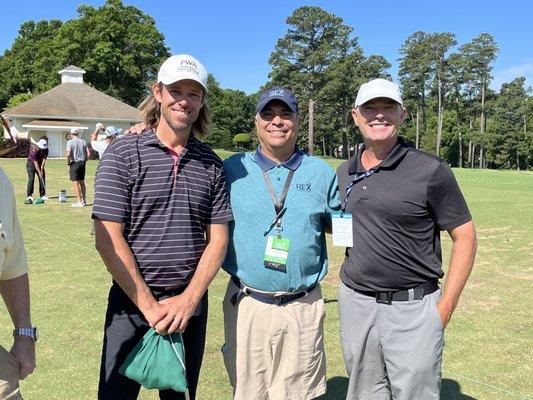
(75,131)
(112,131)
(42,144)
(180,67)
(378,88)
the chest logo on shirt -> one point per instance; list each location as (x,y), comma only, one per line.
(303,187)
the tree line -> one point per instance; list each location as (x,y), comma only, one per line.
(452,111)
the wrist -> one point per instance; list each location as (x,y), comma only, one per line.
(24,334)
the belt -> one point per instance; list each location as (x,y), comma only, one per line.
(387,297)
(263,297)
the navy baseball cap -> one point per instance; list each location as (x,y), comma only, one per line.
(277,93)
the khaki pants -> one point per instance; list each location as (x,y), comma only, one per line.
(275,352)
(9,376)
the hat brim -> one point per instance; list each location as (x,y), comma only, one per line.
(261,106)
(183,77)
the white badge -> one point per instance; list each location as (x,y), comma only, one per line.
(342,229)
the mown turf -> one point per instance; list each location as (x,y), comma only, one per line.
(488,349)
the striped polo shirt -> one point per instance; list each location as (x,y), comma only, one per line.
(164,202)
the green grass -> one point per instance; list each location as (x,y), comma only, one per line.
(488,349)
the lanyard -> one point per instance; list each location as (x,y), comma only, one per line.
(350,185)
(278,203)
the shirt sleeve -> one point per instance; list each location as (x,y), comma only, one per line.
(220,204)
(112,199)
(98,146)
(69,145)
(334,203)
(15,261)
(445,199)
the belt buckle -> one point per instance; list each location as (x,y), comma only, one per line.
(278,300)
(387,300)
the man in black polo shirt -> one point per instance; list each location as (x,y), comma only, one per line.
(161,211)
(392,312)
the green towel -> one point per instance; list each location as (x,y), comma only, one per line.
(157,362)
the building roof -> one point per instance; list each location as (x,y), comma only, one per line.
(77,101)
(71,68)
(53,124)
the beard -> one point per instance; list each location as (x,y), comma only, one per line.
(178,124)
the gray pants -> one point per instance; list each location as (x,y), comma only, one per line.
(391,350)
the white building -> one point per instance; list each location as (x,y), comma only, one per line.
(72,104)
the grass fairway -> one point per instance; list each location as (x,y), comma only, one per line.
(488,353)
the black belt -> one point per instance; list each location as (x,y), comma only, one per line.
(263,297)
(387,297)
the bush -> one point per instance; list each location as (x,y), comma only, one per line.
(242,140)
(21,149)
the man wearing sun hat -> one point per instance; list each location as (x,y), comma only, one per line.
(273,308)
(35,166)
(161,211)
(397,199)
(77,155)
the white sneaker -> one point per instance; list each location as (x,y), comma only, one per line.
(75,204)
(45,198)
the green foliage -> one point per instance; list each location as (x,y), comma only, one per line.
(232,111)
(119,46)
(242,140)
(19,99)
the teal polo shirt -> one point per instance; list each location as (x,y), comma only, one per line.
(312,196)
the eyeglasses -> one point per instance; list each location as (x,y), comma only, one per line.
(269,115)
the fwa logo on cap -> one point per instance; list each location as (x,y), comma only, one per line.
(180,67)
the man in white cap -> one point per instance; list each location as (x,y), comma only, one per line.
(35,166)
(77,155)
(110,134)
(397,200)
(161,212)
(19,362)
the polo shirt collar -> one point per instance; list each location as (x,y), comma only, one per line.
(267,164)
(393,158)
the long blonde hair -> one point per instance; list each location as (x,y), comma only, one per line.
(151,112)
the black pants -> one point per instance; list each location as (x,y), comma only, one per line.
(30,168)
(124,328)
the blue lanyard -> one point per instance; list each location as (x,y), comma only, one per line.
(350,185)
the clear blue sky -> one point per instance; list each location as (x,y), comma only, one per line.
(234,39)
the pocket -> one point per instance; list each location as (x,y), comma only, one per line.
(434,299)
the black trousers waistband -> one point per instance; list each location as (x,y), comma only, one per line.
(387,297)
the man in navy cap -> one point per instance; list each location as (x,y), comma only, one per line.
(273,308)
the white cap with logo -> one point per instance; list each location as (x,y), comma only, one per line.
(378,88)
(42,144)
(180,67)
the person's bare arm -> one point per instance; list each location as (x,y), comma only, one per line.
(180,308)
(118,258)
(16,295)
(38,168)
(461,262)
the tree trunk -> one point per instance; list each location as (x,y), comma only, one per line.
(311,144)
(482,124)
(348,146)
(324,147)
(470,153)
(472,164)
(417,126)
(439,116)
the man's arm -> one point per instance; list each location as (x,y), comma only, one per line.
(94,135)
(461,262)
(180,308)
(38,168)
(16,295)
(118,258)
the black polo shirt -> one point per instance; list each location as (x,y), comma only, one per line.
(164,205)
(398,213)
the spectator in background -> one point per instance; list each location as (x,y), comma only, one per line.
(35,166)
(110,133)
(77,155)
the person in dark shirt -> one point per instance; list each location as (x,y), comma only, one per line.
(161,214)
(398,199)
(35,166)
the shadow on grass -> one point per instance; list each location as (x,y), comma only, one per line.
(451,390)
(338,386)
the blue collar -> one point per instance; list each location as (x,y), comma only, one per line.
(267,164)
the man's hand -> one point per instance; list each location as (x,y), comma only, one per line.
(136,129)
(154,314)
(445,311)
(179,308)
(24,351)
